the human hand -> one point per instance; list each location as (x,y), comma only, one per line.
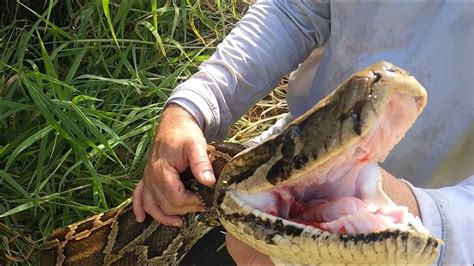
(244,254)
(179,144)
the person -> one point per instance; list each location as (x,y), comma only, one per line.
(321,43)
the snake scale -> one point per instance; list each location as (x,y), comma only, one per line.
(311,194)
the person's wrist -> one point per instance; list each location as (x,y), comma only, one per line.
(176,112)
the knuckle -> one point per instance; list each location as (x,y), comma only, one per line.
(147,179)
(201,160)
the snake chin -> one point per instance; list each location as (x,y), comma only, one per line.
(344,195)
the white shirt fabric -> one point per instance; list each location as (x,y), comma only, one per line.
(326,42)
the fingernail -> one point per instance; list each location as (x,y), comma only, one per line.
(208,176)
(177,224)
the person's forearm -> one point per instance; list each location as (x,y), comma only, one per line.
(399,192)
(269,42)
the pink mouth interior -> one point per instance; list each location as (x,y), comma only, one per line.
(344,195)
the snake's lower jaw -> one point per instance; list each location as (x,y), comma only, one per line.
(366,227)
(361,207)
(369,229)
(332,209)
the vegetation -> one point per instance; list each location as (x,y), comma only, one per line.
(82,83)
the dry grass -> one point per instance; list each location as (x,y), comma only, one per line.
(264,114)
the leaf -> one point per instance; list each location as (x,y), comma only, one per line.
(50,7)
(75,65)
(20,208)
(105,6)
(41,18)
(153,30)
(192,15)
(27,143)
(175,20)
(14,184)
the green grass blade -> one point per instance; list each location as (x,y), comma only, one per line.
(155,33)
(155,13)
(48,15)
(27,143)
(75,65)
(105,6)
(47,22)
(11,181)
(174,26)
(18,209)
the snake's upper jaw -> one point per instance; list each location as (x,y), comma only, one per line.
(380,98)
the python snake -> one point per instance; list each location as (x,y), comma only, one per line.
(311,194)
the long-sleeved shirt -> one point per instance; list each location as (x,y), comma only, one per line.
(327,41)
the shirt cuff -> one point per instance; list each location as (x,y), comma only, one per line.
(191,108)
(200,107)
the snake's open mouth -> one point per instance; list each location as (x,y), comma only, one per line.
(313,193)
(344,195)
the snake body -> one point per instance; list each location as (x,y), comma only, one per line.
(264,193)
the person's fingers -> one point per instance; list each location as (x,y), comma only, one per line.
(155,211)
(137,200)
(172,196)
(199,163)
(244,254)
(180,204)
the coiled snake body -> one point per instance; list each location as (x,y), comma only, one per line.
(311,194)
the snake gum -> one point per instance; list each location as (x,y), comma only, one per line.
(313,193)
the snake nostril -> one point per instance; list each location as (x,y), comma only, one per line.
(294,132)
(377,75)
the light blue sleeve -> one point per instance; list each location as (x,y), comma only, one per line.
(267,43)
(448,213)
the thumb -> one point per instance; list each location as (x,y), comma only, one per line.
(200,164)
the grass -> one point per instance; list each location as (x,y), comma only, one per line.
(82,83)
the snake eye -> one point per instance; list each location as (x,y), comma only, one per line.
(354,117)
